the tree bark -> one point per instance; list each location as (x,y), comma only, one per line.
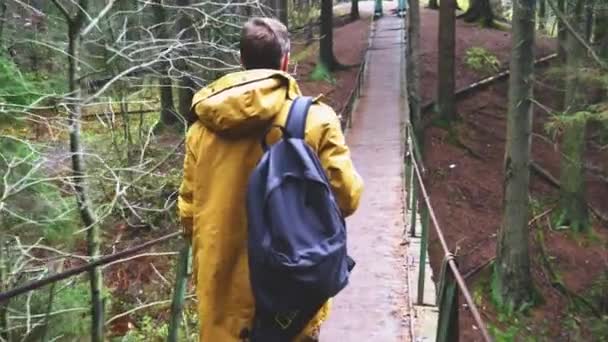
(354,10)
(433,4)
(187,86)
(573,208)
(447,56)
(4,285)
(589,7)
(168,115)
(2,20)
(326,50)
(87,215)
(561,33)
(413,65)
(513,261)
(480,11)
(600,30)
(280,8)
(542,14)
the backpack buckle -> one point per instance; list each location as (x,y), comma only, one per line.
(285,320)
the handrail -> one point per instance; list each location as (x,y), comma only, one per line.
(83,268)
(347,110)
(448,256)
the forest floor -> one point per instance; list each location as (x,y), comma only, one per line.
(465,177)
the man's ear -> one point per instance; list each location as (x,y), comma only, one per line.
(285,62)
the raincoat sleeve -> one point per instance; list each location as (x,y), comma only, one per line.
(186,188)
(336,159)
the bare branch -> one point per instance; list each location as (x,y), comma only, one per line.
(63,10)
(581,40)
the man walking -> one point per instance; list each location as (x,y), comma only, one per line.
(222,149)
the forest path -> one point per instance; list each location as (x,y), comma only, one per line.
(374,306)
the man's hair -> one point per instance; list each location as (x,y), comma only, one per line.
(264,41)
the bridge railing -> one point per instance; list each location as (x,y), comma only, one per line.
(451,282)
(179,290)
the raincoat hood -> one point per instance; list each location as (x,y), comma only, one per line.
(244,101)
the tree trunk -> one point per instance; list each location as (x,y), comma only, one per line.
(561,33)
(513,260)
(589,19)
(168,115)
(280,8)
(600,30)
(542,15)
(2,20)
(78,167)
(433,4)
(480,11)
(573,208)
(446,67)
(187,86)
(4,285)
(326,51)
(413,64)
(354,10)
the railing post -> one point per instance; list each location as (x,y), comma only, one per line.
(424,239)
(179,294)
(413,206)
(447,327)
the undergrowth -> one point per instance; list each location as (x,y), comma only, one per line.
(481,60)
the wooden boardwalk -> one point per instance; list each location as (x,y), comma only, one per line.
(374,307)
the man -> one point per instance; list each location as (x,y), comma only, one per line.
(222,149)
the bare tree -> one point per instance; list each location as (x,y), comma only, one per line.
(354,10)
(513,260)
(326,51)
(573,206)
(74,106)
(480,11)
(446,65)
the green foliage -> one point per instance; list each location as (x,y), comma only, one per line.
(34,200)
(21,88)
(322,73)
(506,308)
(481,60)
(303,15)
(69,318)
(15,88)
(150,329)
(509,335)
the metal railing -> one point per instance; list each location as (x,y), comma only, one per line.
(451,281)
(179,291)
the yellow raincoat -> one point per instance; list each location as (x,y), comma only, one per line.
(222,149)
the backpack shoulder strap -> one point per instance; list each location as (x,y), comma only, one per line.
(296,119)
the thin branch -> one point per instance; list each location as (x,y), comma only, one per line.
(145,306)
(575,34)
(63,11)
(103,12)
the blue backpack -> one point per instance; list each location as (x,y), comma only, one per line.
(297,235)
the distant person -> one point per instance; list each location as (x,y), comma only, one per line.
(222,149)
